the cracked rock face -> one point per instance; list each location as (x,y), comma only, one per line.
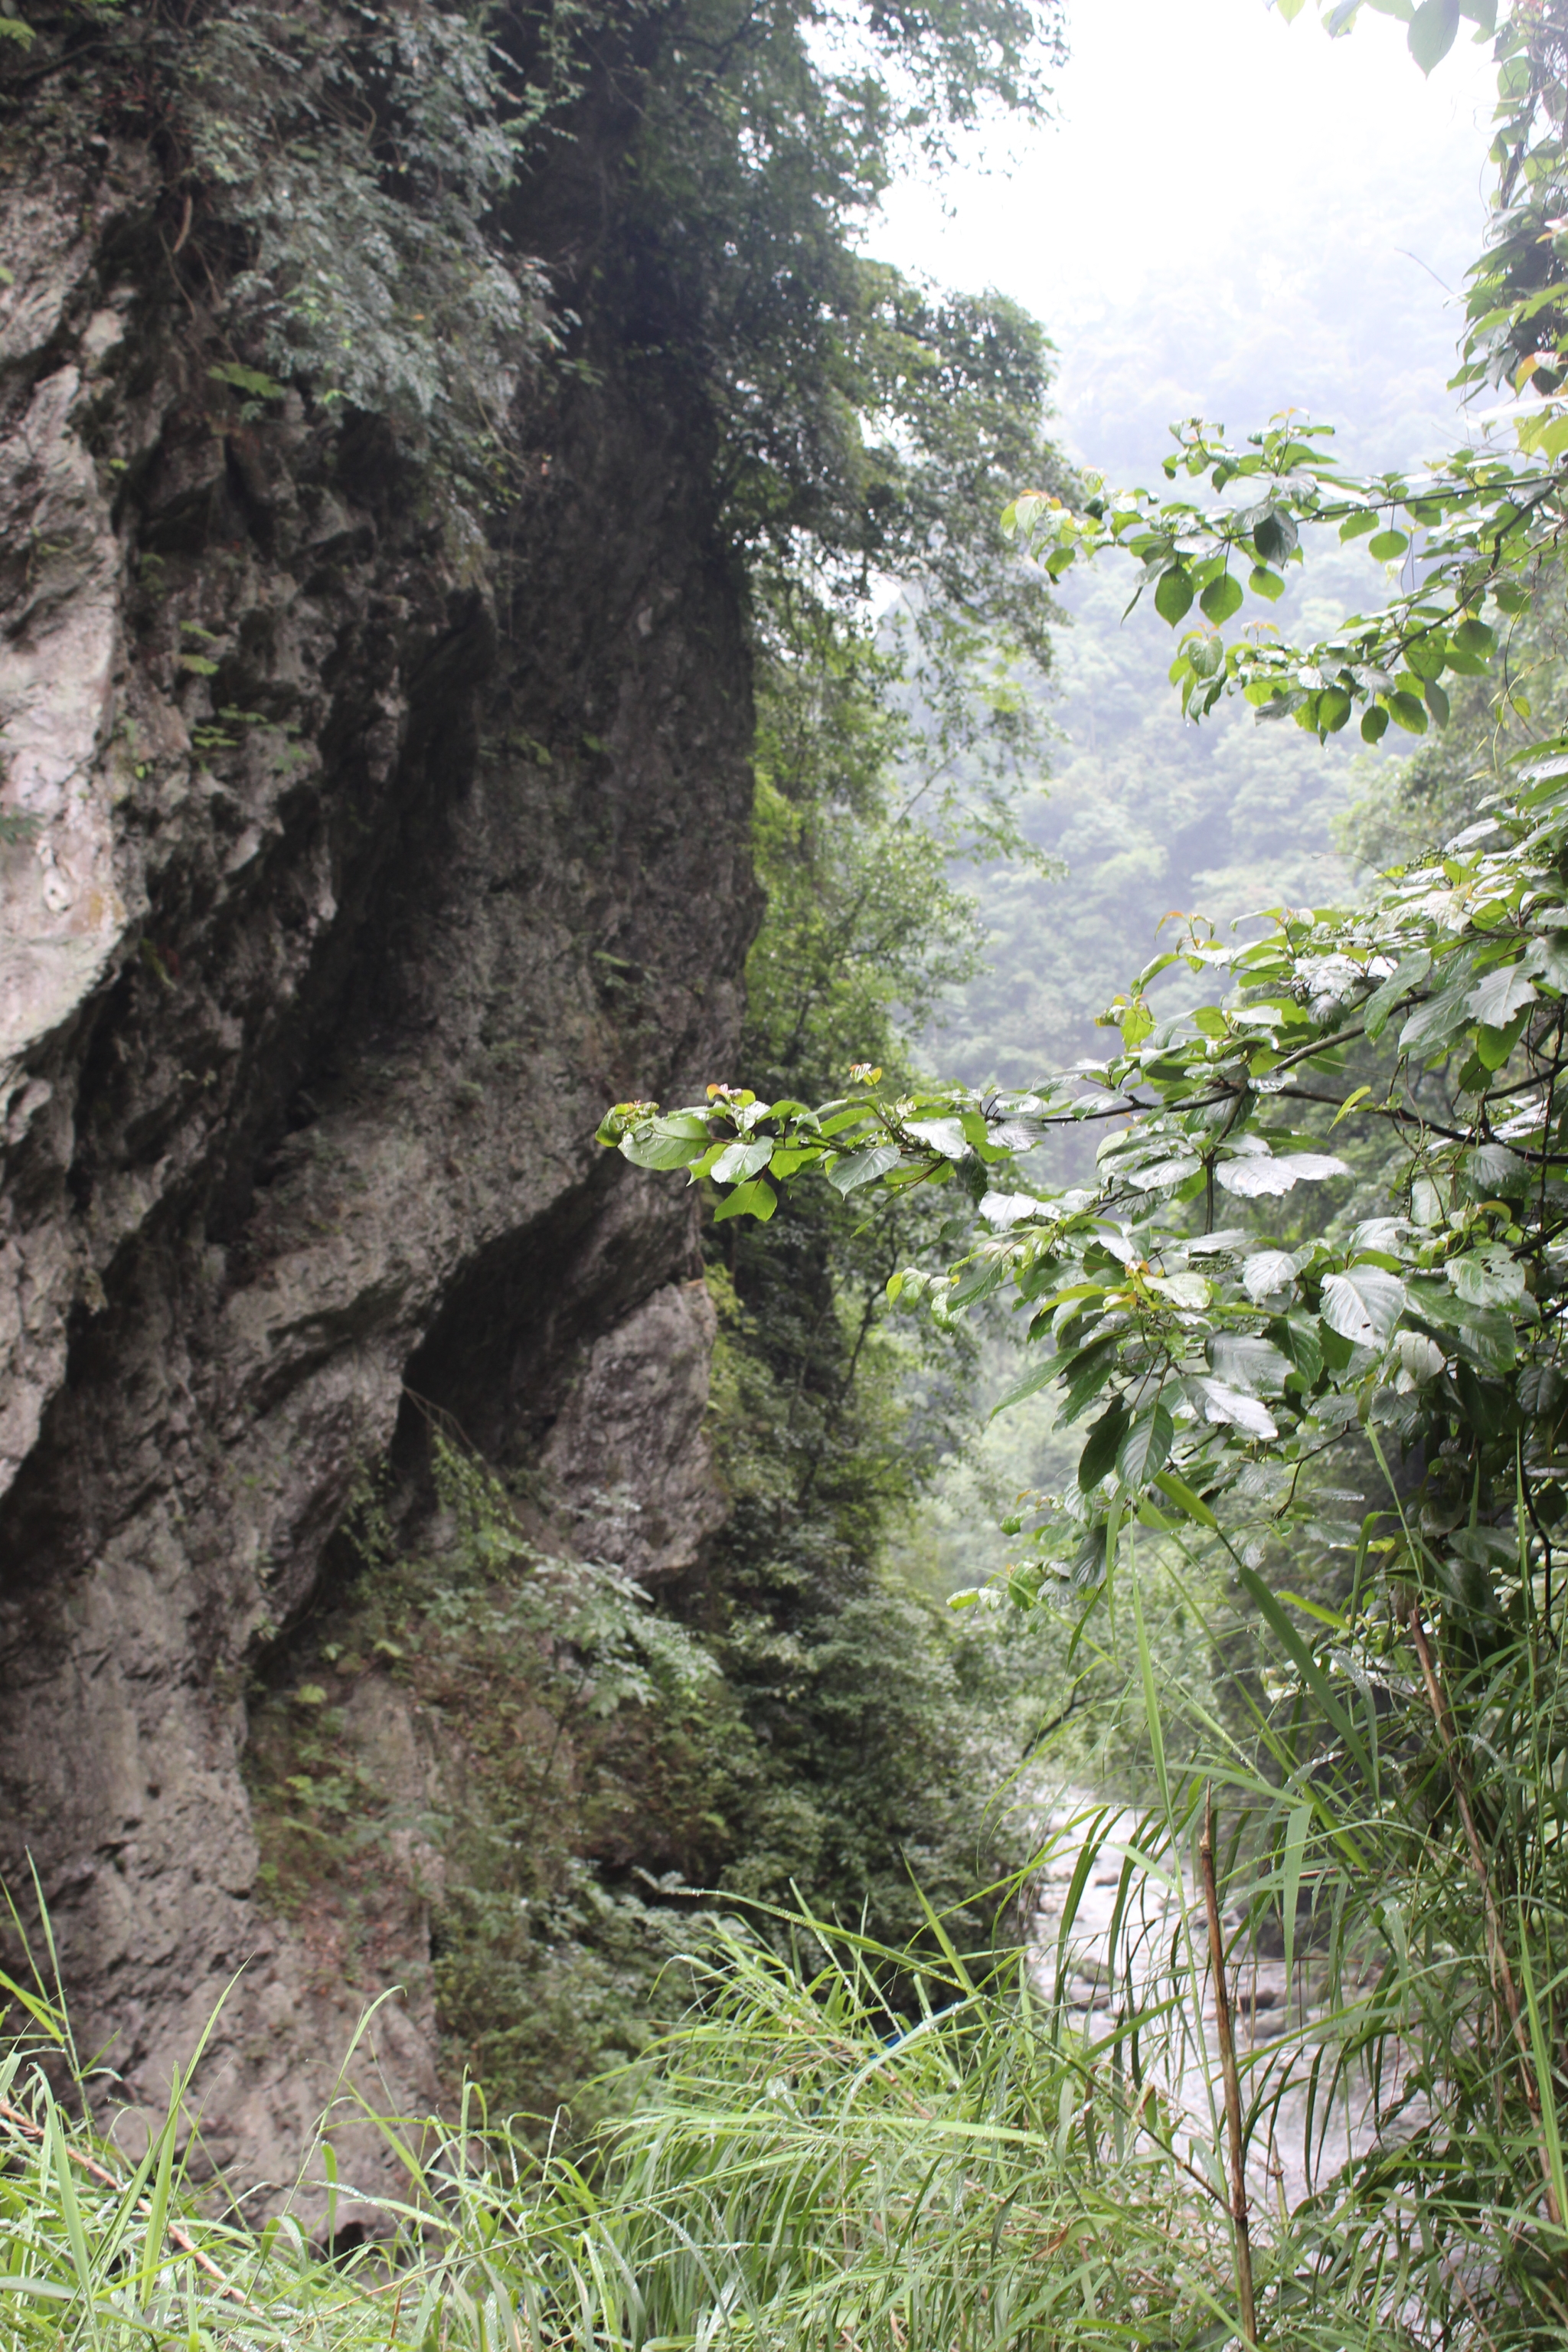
(354,884)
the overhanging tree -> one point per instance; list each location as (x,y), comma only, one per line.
(1410,1735)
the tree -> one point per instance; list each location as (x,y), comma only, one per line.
(1408,1054)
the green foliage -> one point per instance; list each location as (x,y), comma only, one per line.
(993,2163)
(579,1727)
(1145,816)
(1414,804)
(1397,1741)
(324,181)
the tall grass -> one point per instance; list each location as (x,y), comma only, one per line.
(1001,2160)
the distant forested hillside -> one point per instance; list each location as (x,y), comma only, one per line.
(1147,816)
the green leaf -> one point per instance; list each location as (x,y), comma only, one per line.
(1407,712)
(738,1160)
(249,380)
(1432,31)
(1102,1446)
(1363,1304)
(757,1199)
(1356,526)
(1174,595)
(1146,1446)
(1374,724)
(1493,1168)
(654,1147)
(1037,1377)
(1436,701)
(1220,598)
(1274,534)
(1300,1337)
(1307,1666)
(1175,1490)
(945,1135)
(788,1157)
(1388,544)
(12,28)
(1474,637)
(1264,583)
(1291,1896)
(864,1167)
(1409,973)
(1495,999)
(1493,1046)
(1086,1375)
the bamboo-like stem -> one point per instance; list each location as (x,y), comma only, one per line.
(1497,1951)
(1238,2208)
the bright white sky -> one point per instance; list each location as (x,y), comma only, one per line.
(1215,225)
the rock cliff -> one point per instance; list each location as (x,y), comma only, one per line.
(351,869)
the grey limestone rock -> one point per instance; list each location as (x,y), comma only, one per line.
(306,1016)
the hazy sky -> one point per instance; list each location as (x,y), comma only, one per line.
(1230,216)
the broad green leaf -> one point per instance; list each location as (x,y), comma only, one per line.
(1432,31)
(1086,1375)
(757,1199)
(1492,1170)
(1005,1209)
(1244,1361)
(1146,1446)
(1220,598)
(1409,973)
(1267,1272)
(1186,1290)
(1388,544)
(1274,534)
(1266,584)
(741,1160)
(1102,1446)
(1407,712)
(977,1280)
(1161,1174)
(1224,1403)
(1262,1177)
(1485,1333)
(1174,595)
(1436,1021)
(1493,1046)
(1363,1304)
(788,1157)
(1300,1337)
(1495,999)
(655,1147)
(864,1167)
(944,1135)
(1484,1284)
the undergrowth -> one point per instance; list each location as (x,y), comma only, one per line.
(839,2143)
